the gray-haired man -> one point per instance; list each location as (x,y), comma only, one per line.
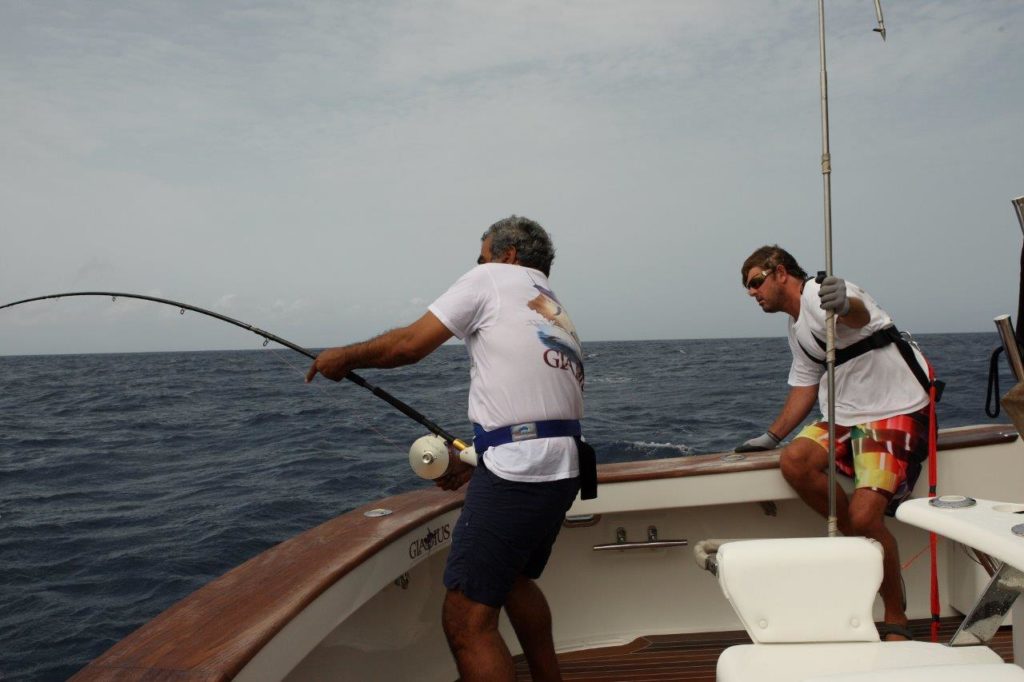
(525,401)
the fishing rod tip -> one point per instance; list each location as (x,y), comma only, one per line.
(880,31)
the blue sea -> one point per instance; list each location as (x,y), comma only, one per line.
(127,481)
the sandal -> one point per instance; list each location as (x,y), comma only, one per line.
(886,629)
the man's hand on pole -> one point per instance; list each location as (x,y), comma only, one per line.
(333,363)
(833,296)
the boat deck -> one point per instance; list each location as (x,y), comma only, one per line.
(692,657)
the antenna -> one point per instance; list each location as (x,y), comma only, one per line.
(881,20)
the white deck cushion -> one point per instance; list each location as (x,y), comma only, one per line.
(803,589)
(805,662)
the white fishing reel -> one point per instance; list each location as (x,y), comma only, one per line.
(429,457)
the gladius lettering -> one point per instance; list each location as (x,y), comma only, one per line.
(558,360)
(432,539)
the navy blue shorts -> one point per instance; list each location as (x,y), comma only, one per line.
(506,529)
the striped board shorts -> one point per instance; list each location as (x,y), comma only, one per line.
(883,455)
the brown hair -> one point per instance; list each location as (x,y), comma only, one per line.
(768,257)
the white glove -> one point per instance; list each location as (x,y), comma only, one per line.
(766,441)
(833,296)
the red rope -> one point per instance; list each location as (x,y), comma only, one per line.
(933,475)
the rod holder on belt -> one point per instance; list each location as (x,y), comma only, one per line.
(1010,345)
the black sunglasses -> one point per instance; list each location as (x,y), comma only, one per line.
(757,280)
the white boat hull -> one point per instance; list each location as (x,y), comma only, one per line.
(380,619)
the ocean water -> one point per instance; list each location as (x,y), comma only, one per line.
(127,481)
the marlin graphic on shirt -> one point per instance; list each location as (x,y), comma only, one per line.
(546,305)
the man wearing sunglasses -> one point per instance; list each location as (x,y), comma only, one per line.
(881,410)
(525,401)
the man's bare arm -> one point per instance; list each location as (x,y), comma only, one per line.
(798,403)
(403,346)
(796,408)
(858,315)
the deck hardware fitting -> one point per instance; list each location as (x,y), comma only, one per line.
(374,513)
(952,502)
(652,541)
(403,581)
(581,520)
(769,507)
(734,457)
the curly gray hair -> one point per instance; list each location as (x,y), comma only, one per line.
(532,244)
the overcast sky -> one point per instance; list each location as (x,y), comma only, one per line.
(324,169)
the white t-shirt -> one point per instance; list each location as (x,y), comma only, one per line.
(527,364)
(872,386)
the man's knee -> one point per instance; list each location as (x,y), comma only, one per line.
(464,620)
(863,523)
(799,459)
(866,512)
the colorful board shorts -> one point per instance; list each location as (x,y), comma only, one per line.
(506,529)
(883,455)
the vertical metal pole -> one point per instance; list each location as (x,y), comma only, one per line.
(1018,208)
(1005,329)
(830,320)
(881,20)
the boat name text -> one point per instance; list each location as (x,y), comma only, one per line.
(432,539)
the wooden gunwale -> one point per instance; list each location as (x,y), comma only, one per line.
(700,465)
(214,632)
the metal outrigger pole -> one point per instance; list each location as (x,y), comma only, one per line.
(830,320)
(881,20)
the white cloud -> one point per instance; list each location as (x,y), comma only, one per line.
(225,302)
(335,163)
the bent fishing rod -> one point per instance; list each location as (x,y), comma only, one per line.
(402,407)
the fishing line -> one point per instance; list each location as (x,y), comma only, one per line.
(267,338)
(914,558)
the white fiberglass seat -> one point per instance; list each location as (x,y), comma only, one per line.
(981,672)
(804,627)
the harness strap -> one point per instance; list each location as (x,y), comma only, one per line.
(929,384)
(549,428)
(881,339)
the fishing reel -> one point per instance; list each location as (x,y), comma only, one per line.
(431,459)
